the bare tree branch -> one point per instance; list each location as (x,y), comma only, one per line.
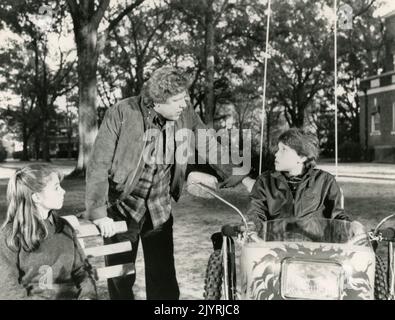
(127,10)
(114,22)
(137,46)
(99,13)
(219,13)
(149,38)
(120,43)
(188,14)
(73,6)
(363,10)
(65,91)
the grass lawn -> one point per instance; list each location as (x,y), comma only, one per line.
(367,201)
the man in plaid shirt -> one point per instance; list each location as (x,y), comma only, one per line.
(127,181)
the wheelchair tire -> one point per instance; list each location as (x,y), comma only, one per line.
(380,280)
(213,280)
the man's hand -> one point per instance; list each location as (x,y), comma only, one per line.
(357,228)
(248,183)
(106,226)
(235,180)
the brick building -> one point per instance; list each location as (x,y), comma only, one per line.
(377,94)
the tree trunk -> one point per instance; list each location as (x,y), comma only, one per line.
(37,146)
(268,129)
(87,50)
(25,139)
(201,110)
(139,75)
(209,60)
(46,142)
(69,143)
(43,100)
(86,20)
(355,122)
(298,120)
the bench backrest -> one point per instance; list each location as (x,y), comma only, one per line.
(85,229)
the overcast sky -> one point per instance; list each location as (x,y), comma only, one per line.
(388,6)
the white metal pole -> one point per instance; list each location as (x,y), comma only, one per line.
(264,84)
(335,76)
(225,265)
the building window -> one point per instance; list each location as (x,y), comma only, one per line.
(375,123)
(375,83)
(393,118)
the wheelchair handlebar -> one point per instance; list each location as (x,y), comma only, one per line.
(231,230)
(388,234)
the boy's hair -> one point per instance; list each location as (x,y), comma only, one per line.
(164,83)
(304,143)
(27,227)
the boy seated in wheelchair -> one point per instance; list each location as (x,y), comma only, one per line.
(296,188)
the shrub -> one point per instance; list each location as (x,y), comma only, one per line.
(3,152)
(17,155)
(350,151)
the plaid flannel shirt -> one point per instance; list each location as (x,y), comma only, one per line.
(152,192)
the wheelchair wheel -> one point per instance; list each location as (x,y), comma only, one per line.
(380,280)
(213,280)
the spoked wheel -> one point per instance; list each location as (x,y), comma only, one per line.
(220,281)
(214,274)
(380,281)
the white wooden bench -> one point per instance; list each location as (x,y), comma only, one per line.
(88,234)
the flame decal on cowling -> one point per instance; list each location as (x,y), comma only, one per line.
(357,284)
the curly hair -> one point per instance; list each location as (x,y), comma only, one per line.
(304,143)
(164,83)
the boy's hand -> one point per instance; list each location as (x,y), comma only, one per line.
(358,234)
(252,233)
(251,227)
(106,226)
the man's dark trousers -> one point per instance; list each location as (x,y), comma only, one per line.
(160,274)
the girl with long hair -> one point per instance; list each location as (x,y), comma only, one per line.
(39,254)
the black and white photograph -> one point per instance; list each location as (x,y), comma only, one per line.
(197,150)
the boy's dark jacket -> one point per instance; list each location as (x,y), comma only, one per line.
(317,195)
(117,155)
